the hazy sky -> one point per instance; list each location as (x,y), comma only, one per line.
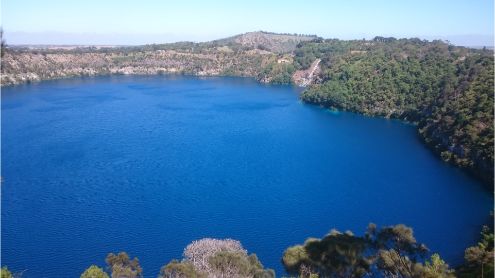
(468,22)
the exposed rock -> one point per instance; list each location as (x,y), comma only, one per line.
(308,76)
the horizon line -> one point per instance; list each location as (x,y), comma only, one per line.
(488,39)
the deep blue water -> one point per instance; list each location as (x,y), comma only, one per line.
(149,164)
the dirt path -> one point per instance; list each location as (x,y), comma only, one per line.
(304,77)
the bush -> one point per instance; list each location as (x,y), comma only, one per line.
(216,258)
(94,272)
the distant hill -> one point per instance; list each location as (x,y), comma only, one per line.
(273,42)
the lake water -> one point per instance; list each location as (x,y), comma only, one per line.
(149,164)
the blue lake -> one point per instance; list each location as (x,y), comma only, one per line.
(147,164)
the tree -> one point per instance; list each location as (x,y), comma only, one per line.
(237,264)
(341,254)
(296,259)
(447,90)
(122,266)
(94,272)
(335,255)
(176,269)
(437,268)
(397,249)
(216,258)
(479,259)
(6,273)
(391,251)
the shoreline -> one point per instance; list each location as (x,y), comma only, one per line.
(478,175)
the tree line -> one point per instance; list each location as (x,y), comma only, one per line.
(446,90)
(391,252)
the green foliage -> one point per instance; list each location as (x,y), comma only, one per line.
(437,268)
(479,259)
(398,237)
(389,79)
(94,272)
(2,43)
(176,269)
(6,273)
(216,258)
(389,251)
(277,73)
(335,255)
(447,90)
(294,257)
(398,253)
(122,266)
(326,50)
(461,120)
(331,94)
(237,264)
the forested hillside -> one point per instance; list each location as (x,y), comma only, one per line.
(447,90)
(262,55)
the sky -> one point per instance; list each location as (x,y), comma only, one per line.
(123,22)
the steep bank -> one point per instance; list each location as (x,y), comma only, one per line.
(22,67)
(255,54)
(447,90)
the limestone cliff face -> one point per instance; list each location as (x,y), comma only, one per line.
(242,55)
(19,67)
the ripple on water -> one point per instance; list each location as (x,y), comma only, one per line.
(148,164)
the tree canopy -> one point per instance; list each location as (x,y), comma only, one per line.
(447,90)
(121,266)
(94,272)
(390,251)
(216,258)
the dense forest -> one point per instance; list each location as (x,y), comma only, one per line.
(447,90)
(390,251)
